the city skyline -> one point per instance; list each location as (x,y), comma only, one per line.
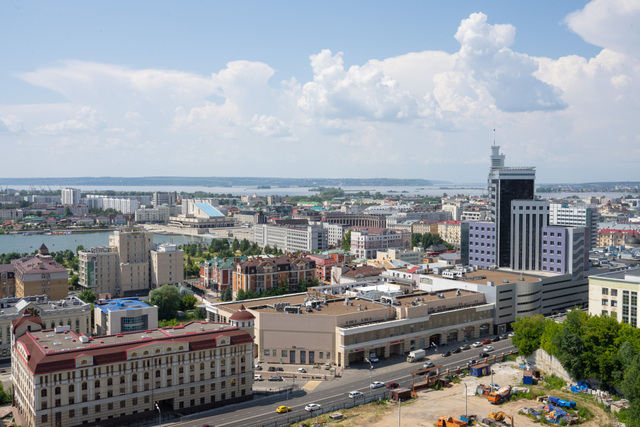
(356,90)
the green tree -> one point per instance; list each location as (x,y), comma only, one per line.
(528,331)
(226,295)
(268,250)
(79,248)
(570,347)
(167,299)
(188,302)
(5,397)
(244,245)
(551,329)
(67,212)
(235,245)
(631,388)
(346,241)
(88,296)
(74,280)
(200,313)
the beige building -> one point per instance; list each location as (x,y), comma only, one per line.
(308,329)
(167,265)
(450,232)
(133,246)
(40,274)
(123,315)
(99,270)
(159,214)
(70,311)
(616,294)
(7,281)
(61,378)
(425,226)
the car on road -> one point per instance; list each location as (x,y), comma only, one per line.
(271,369)
(465,347)
(279,369)
(487,341)
(312,407)
(373,358)
(376,384)
(258,377)
(472,361)
(283,409)
(355,394)
(483,354)
(302,370)
(477,344)
(276,378)
(446,354)
(496,338)
(457,350)
(392,385)
(428,365)
(487,349)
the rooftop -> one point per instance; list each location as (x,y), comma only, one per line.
(121,304)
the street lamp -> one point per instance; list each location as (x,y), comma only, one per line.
(370,370)
(465,400)
(159,414)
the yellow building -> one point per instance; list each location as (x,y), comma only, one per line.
(40,274)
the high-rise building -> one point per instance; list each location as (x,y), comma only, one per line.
(528,217)
(70,196)
(99,270)
(133,247)
(506,184)
(481,243)
(577,215)
(168,198)
(564,250)
(167,265)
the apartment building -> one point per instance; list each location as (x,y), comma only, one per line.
(62,378)
(7,281)
(261,274)
(70,196)
(616,294)
(324,264)
(11,215)
(367,241)
(167,265)
(40,274)
(134,247)
(70,311)
(159,214)
(617,236)
(450,232)
(99,270)
(292,238)
(217,273)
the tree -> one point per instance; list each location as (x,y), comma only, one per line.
(235,245)
(631,388)
(167,299)
(5,397)
(79,248)
(244,245)
(88,296)
(227,295)
(346,241)
(268,250)
(188,302)
(67,212)
(528,331)
(200,313)
(74,280)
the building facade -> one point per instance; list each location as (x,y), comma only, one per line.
(261,274)
(616,294)
(167,265)
(450,232)
(482,244)
(71,196)
(292,238)
(116,316)
(528,217)
(40,274)
(217,273)
(577,215)
(134,247)
(564,250)
(7,281)
(99,270)
(61,378)
(367,241)
(159,214)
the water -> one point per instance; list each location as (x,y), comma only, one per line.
(56,243)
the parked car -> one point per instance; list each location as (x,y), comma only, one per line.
(302,370)
(276,378)
(312,407)
(494,386)
(483,354)
(446,354)
(487,341)
(355,394)
(258,377)
(465,347)
(428,365)
(477,344)
(487,349)
(271,369)
(511,334)
(283,409)
(376,384)
(472,361)
(279,369)
(392,385)
(258,367)
(327,366)
(496,338)
(457,350)
(504,336)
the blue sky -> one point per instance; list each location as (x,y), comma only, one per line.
(328,89)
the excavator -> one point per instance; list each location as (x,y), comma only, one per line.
(450,422)
(501,416)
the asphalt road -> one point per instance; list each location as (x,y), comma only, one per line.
(333,395)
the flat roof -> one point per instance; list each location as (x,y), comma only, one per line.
(498,277)
(121,304)
(406,300)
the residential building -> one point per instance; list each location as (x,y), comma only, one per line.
(71,196)
(7,281)
(577,215)
(134,247)
(312,328)
(482,244)
(61,378)
(528,217)
(292,238)
(616,236)
(475,216)
(261,274)
(40,274)
(425,226)
(99,270)
(324,265)
(159,214)
(217,273)
(70,311)
(367,241)
(116,316)
(168,198)
(126,205)
(564,250)
(615,294)
(415,256)
(450,232)
(335,234)
(506,184)
(11,214)
(167,265)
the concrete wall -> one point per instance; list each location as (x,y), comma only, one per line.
(549,363)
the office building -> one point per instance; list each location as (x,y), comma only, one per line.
(367,241)
(159,214)
(168,198)
(577,215)
(616,294)
(167,265)
(506,184)
(62,378)
(528,217)
(116,316)
(482,244)
(70,196)
(564,250)
(292,238)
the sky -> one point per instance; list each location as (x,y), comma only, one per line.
(355,89)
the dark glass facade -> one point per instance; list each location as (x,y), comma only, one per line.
(509,190)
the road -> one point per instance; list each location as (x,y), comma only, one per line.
(332,395)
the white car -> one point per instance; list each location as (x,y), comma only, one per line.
(312,407)
(511,334)
(354,394)
(477,344)
(487,349)
(376,384)
(257,377)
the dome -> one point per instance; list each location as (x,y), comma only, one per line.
(242,315)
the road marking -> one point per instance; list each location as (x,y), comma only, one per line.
(311,385)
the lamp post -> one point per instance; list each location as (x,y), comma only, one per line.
(465,400)
(159,414)
(370,370)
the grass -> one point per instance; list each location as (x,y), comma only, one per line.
(554,383)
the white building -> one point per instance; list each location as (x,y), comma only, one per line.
(616,294)
(157,214)
(292,238)
(124,315)
(70,196)
(99,270)
(366,242)
(528,217)
(577,215)
(167,265)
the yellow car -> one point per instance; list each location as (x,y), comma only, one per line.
(283,409)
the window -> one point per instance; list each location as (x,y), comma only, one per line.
(44,418)
(605,291)
(285,353)
(266,352)
(43,392)
(614,292)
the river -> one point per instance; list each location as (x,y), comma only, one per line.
(55,243)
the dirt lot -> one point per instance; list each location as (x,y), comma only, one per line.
(433,404)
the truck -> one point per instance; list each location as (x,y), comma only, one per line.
(416,355)
(497,397)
